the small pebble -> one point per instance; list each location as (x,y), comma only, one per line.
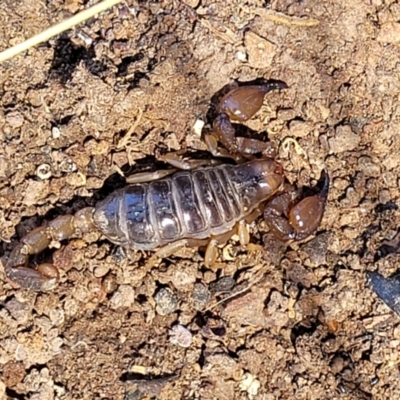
(274,249)
(374,381)
(57,316)
(192,3)
(260,51)
(109,284)
(19,310)
(337,364)
(286,114)
(389,32)
(55,132)
(344,140)
(86,39)
(180,336)
(241,56)
(101,270)
(300,128)
(387,289)
(249,384)
(124,297)
(368,167)
(36,191)
(166,301)
(198,127)
(67,165)
(15,119)
(317,248)
(201,296)
(43,171)
(222,285)
(13,373)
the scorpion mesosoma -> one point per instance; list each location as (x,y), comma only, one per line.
(202,206)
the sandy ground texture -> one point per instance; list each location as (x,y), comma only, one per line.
(267,322)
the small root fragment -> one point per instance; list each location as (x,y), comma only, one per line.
(227,36)
(274,130)
(257,273)
(125,140)
(297,148)
(283,19)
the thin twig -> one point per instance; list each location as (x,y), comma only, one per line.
(288,141)
(281,18)
(124,141)
(229,297)
(57,29)
(259,275)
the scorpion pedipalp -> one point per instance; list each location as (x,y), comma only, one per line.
(290,219)
(242,103)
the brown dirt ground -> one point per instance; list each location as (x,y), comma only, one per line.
(128,86)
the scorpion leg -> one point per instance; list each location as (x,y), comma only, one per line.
(298,221)
(243,226)
(176,160)
(243,232)
(211,248)
(167,251)
(212,144)
(171,248)
(142,177)
(45,276)
(241,229)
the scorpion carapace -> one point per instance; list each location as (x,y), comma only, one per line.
(204,204)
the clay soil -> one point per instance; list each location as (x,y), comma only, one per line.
(107,99)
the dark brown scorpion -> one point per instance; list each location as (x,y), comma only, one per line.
(202,205)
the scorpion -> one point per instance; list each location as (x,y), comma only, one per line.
(199,203)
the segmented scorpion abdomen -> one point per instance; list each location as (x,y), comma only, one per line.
(194,205)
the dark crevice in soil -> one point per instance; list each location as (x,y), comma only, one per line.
(389,206)
(127,61)
(68,56)
(63,121)
(13,395)
(202,359)
(300,330)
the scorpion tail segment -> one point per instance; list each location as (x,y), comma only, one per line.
(301,220)
(241,103)
(45,276)
(31,279)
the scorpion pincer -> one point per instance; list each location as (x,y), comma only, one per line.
(202,205)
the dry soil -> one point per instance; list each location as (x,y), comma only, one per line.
(267,322)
